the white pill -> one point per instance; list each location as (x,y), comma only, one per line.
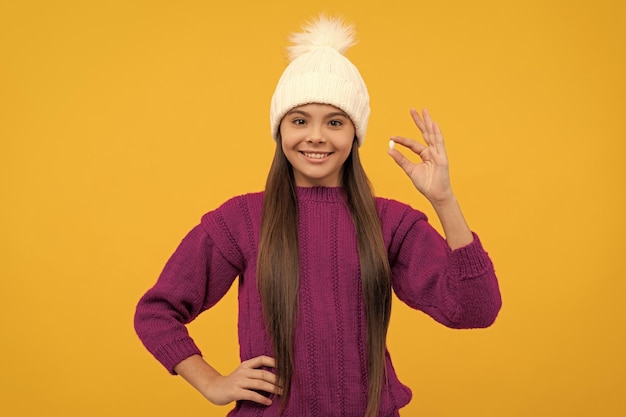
(391,144)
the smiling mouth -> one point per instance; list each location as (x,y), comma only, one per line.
(316,155)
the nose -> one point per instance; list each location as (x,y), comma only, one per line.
(315,135)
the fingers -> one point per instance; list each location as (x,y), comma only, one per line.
(429,129)
(252,379)
(262,380)
(431,134)
(402,161)
(430,176)
(259,362)
(411,144)
(253,387)
(421,124)
(249,395)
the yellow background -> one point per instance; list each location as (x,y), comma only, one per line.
(122,122)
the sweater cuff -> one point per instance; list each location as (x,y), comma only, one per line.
(175,352)
(470,261)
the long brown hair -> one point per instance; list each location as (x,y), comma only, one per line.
(278,268)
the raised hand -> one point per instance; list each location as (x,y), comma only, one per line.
(431,176)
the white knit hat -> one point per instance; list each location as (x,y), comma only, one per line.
(319,73)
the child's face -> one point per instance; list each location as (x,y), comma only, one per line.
(317,140)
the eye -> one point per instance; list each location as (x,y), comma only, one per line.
(336,123)
(298,121)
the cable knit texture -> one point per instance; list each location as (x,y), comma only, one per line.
(456,288)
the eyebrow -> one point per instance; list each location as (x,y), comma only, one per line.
(329,115)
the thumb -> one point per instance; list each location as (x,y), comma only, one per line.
(401,160)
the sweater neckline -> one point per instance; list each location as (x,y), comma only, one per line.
(321,194)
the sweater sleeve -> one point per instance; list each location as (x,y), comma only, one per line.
(457,288)
(195,278)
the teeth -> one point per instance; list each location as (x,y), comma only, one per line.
(315,155)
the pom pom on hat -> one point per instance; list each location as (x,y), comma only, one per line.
(320,73)
(324,32)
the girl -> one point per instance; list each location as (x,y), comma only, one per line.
(317,256)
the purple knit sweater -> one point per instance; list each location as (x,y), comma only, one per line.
(457,288)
